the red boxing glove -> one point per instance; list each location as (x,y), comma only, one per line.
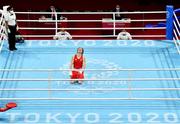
(11,105)
(8,106)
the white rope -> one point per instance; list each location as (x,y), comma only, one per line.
(176,19)
(1,29)
(95,35)
(1,12)
(175,34)
(1,42)
(1,38)
(96,105)
(56,23)
(114,24)
(1,45)
(111,89)
(40,28)
(140,12)
(2,22)
(176,44)
(118,79)
(176,38)
(123,21)
(148,35)
(115,69)
(40,98)
(176,28)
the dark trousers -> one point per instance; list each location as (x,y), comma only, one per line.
(11,37)
(53,18)
(118,17)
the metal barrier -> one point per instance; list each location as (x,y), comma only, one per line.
(114,28)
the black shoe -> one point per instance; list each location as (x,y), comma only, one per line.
(11,49)
(76,82)
(79,82)
(15,48)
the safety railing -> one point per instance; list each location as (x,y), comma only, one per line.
(113,22)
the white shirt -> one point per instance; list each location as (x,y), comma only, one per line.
(124,36)
(63,36)
(118,10)
(10,18)
(53,12)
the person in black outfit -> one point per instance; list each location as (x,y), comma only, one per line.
(117,15)
(11,27)
(53,11)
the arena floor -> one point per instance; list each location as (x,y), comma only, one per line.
(100,54)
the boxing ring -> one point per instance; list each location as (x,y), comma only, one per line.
(111,89)
(134,81)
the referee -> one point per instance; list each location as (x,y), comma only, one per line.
(11,24)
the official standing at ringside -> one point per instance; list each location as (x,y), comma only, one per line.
(11,24)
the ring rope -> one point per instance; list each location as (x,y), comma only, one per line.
(118,79)
(176,43)
(40,98)
(95,35)
(140,20)
(99,105)
(130,69)
(40,28)
(176,19)
(140,12)
(176,36)
(176,29)
(111,89)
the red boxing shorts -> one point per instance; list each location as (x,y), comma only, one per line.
(77,75)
